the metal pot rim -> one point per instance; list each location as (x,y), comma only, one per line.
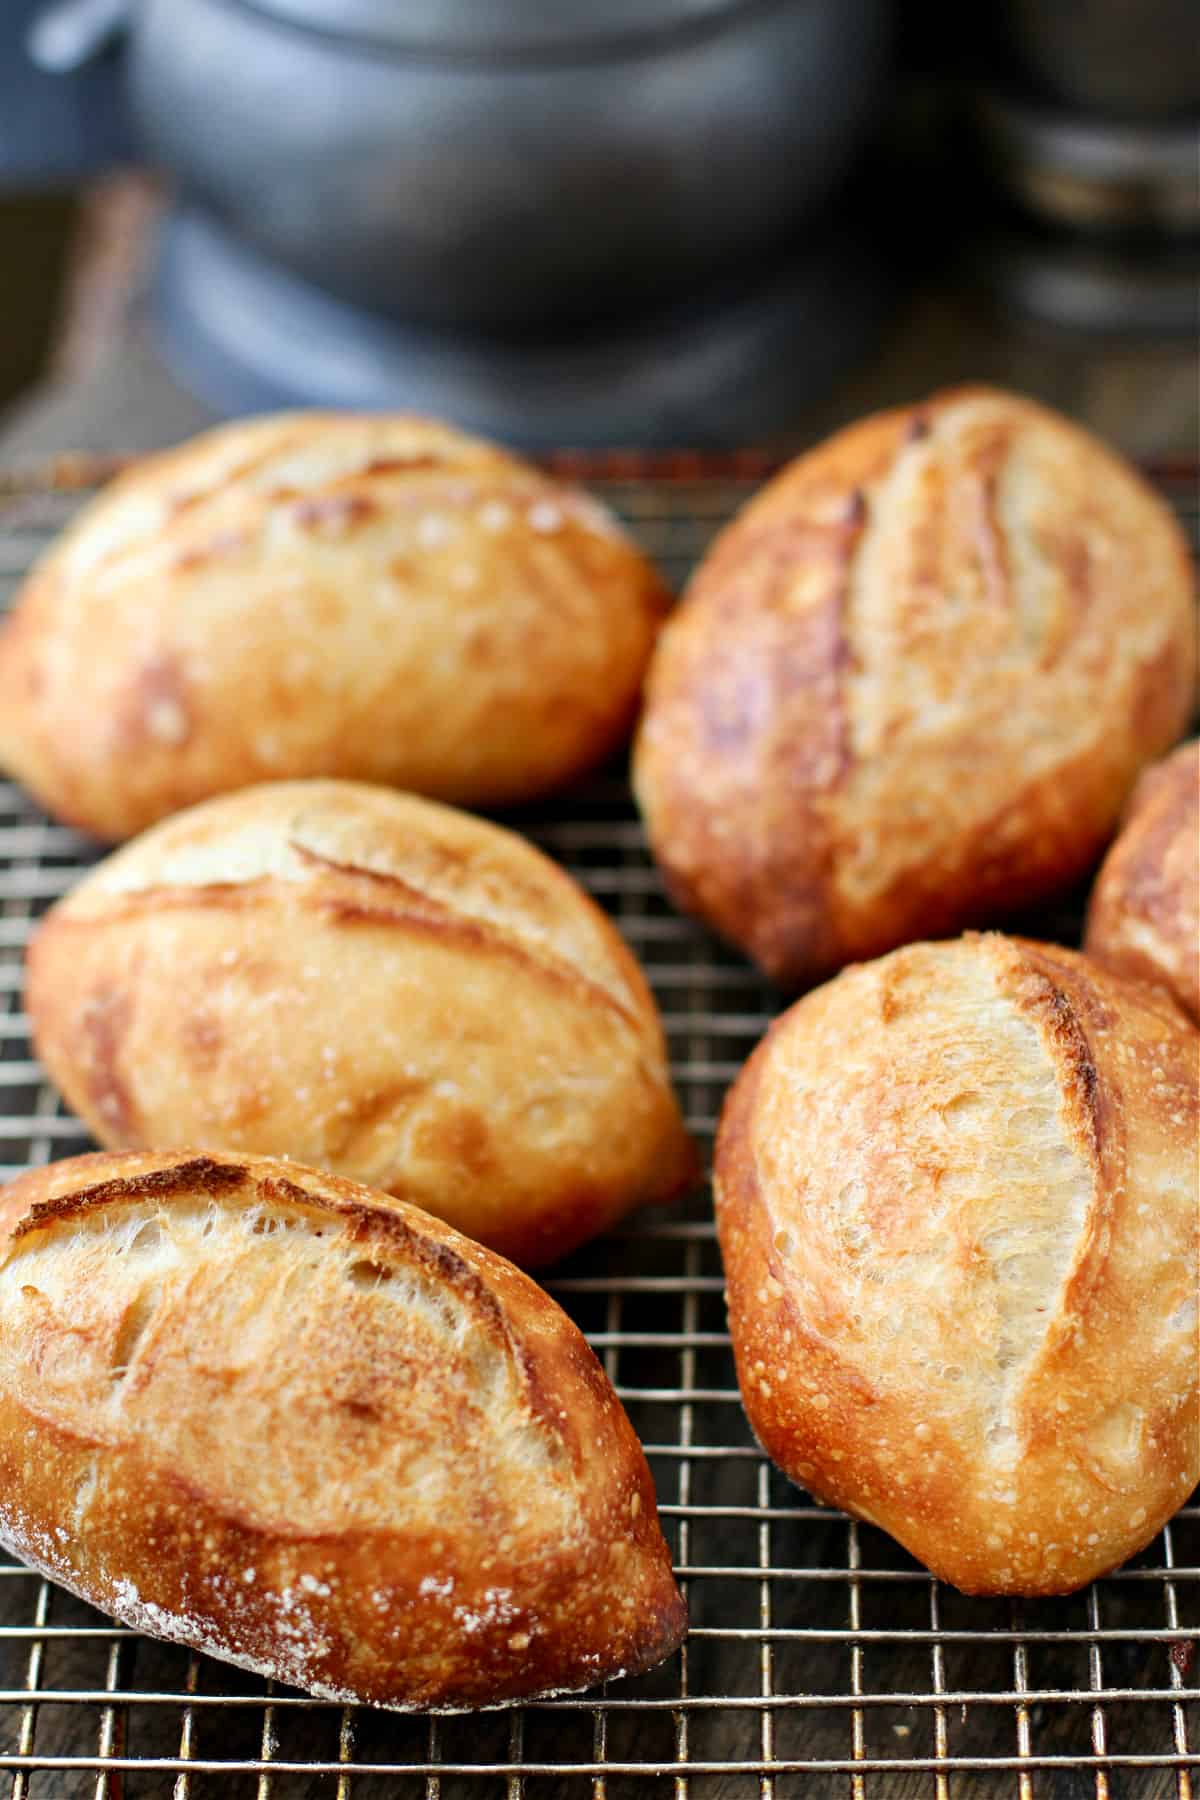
(517,31)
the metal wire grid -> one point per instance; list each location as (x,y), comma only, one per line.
(822,1660)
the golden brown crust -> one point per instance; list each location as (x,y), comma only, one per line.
(957,1203)
(911,685)
(261,1412)
(1144,916)
(374,984)
(374,597)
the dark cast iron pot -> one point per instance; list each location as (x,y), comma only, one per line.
(497,163)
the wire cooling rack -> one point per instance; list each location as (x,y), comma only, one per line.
(822,1660)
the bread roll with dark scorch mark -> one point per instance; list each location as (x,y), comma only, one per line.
(373,984)
(261,1412)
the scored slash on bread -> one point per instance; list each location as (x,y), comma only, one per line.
(253,1409)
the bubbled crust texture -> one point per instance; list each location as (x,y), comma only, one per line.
(251,1409)
(1144,916)
(312,594)
(374,984)
(910,687)
(956,1197)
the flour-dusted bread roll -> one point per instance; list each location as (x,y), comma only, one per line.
(319,594)
(911,686)
(957,1201)
(373,984)
(1144,916)
(264,1413)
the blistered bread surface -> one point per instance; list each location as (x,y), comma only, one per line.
(1144,915)
(957,1202)
(912,684)
(374,984)
(380,598)
(255,1410)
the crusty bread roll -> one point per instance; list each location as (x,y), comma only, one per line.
(912,684)
(321,594)
(1144,916)
(957,1201)
(13,1208)
(373,984)
(255,1410)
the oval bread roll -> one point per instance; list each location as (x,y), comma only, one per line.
(957,1202)
(254,1410)
(372,984)
(1144,916)
(320,594)
(911,686)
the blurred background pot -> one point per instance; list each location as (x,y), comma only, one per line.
(1123,58)
(461,163)
(1087,118)
(530,217)
(736,369)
